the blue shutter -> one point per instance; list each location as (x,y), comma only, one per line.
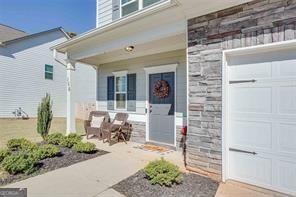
(110,93)
(115,9)
(131,92)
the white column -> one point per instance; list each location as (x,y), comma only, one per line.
(71,125)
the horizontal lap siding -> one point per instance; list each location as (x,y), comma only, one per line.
(254,23)
(137,66)
(104,9)
(22,82)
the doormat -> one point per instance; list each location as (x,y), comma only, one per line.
(153,148)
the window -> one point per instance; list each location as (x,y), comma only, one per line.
(120,92)
(130,6)
(48,72)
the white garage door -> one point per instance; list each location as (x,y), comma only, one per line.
(262,120)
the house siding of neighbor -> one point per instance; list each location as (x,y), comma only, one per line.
(22,76)
(250,24)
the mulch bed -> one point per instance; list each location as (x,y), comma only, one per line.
(193,185)
(66,158)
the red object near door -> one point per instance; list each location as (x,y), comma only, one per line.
(184,130)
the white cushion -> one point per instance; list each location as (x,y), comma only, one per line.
(97,121)
(118,122)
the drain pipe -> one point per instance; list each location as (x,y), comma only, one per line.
(56,59)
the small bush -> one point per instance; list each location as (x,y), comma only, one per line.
(55,138)
(45,151)
(70,140)
(20,144)
(3,153)
(44,116)
(19,163)
(85,147)
(163,173)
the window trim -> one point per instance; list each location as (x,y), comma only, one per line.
(120,74)
(140,6)
(48,72)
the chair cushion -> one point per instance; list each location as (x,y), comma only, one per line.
(117,122)
(96,121)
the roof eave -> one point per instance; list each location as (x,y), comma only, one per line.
(165,4)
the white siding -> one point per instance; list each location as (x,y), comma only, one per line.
(137,66)
(22,82)
(104,12)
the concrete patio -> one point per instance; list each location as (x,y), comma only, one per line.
(93,178)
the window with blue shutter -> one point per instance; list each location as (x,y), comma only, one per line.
(121,92)
(131,92)
(110,93)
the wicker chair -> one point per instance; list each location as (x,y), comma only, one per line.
(95,131)
(120,130)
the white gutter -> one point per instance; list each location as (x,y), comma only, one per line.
(120,22)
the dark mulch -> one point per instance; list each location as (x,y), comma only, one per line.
(66,158)
(193,185)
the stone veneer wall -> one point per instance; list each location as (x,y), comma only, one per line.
(139,132)
(254,23)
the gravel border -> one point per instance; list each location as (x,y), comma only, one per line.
(193,185)
(66,158)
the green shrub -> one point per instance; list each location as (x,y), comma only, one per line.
(163,173)
(45,151)
(85,147)
(20,144)
(3,153)
(19,163)
(55,138)
(71,140)
(44,116)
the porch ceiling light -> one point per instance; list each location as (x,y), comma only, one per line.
(129,48)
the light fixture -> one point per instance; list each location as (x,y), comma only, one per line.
(129,48)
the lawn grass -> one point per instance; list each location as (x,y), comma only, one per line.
(17,128)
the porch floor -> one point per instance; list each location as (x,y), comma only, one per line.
(94,178)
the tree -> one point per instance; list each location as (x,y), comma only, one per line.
(44,116)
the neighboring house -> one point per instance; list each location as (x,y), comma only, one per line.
(231,70)
(28,71)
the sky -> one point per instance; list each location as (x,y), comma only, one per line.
(33,16)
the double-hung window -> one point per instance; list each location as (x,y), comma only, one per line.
(120,92)
(48,74)
(130,6)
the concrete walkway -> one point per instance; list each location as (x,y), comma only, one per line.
(94,177)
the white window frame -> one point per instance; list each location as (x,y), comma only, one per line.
(48,71)
(120,74)
(140,5)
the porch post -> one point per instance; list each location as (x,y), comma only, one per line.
(71,125)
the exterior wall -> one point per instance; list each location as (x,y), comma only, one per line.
(22,82)
(104,12)
(137,66)
(254,23)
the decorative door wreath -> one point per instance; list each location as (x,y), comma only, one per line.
(161,89)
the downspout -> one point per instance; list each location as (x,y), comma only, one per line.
(56,59)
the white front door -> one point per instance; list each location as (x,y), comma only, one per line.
(262,120)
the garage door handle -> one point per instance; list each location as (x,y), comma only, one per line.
(242,151)
(242,81)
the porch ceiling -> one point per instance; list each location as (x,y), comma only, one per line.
(153,31)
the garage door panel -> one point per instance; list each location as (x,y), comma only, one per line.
(250,168)
(286,175)
(285,68)
(251,99)
(287,100)
(287,138)
(251,134)
(246,71)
